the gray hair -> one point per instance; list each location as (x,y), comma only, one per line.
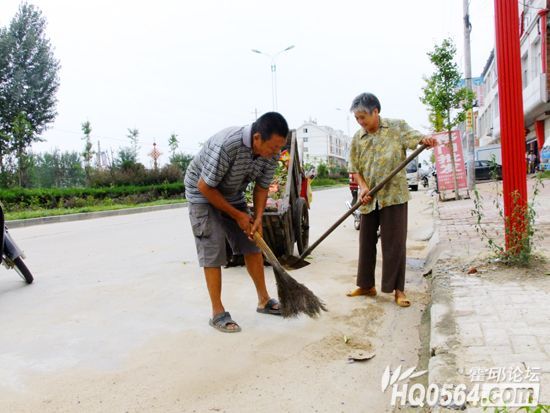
(365,102)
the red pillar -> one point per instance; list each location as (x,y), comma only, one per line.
(539,126)
(511,119)
(539,130)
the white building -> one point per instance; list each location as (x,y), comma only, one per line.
(322,144)
(488,118)
(535,84)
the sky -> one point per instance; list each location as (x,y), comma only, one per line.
(186,67)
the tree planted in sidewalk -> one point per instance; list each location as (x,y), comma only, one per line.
(522,239)
(447,102)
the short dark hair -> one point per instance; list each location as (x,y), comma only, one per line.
(365,102)
(270,123)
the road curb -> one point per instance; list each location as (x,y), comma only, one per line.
(434,246)
(442,362)
(20,223)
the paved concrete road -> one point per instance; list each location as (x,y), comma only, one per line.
(117,320)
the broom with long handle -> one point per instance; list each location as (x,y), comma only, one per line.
(295,298)
(299,262)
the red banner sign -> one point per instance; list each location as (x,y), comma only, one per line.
(443,162)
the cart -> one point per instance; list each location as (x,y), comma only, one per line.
(286,221)
(289,224)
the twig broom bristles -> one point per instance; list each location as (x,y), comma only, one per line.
(295,298)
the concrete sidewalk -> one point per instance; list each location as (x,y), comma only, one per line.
(497,318)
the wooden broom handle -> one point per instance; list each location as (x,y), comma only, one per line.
(265,249)
(359,203)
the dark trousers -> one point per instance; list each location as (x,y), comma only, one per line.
(392,221)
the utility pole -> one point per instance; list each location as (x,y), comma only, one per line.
(99,155)
(470,143)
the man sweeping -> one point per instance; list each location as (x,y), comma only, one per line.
(215,183)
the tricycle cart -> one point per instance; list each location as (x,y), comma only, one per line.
(288,223)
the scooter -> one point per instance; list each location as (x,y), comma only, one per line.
(425,181)
(12,256)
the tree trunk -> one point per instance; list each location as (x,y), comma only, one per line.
(452,152)
(20,168)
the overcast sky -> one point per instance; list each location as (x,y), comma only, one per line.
(169,66)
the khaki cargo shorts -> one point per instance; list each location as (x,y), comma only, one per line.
(211,228)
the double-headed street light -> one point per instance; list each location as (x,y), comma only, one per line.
(347,120)
(273,72)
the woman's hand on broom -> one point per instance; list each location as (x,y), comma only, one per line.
(365,197)
(429,142)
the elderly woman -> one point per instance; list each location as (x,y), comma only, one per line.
(376,149)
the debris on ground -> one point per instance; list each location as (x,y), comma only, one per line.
(359,355)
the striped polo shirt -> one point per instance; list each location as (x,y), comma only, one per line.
(226,162)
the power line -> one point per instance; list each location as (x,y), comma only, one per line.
(103,137)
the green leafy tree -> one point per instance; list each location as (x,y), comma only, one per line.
(28,82)
(126,159)
(58,169)
(322,170)
(447,103)
(22,137)
(173,144)
(133,135)
(181,160)
(73,172)
(88,152)
(4,129)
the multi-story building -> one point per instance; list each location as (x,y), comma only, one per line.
(535,82)
(322,144)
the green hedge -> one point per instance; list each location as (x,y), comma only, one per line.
(21,199)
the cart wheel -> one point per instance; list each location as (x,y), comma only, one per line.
(301,224)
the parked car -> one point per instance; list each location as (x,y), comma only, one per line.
(484,170)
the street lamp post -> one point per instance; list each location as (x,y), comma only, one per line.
(347,120)
(273,72)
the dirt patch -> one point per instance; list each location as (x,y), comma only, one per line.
(362,320)
(488,268)
(356,328)
(336,347)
